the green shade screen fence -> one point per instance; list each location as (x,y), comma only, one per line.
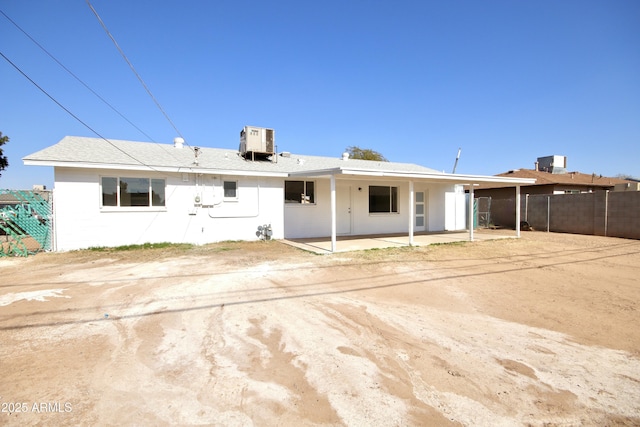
(25,222)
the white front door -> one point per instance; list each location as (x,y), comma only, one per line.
(420,223)
(343,206)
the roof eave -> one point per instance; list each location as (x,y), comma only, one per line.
(166,169)
(432,176)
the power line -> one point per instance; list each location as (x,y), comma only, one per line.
(134,70)
(76,77)
(70,113)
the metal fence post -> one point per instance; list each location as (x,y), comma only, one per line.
(606,211)
(548,211)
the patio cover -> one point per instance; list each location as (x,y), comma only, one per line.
(346,172)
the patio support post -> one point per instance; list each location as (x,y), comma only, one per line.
(333,213)
(517,210)
(471,216)
(412,209)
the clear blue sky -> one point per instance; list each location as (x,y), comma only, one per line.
(507,81)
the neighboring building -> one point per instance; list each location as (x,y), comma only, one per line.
(111,193)
(11,198)
(551,177)
(630,185)
(7,200)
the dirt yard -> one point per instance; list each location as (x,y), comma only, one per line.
(541,331)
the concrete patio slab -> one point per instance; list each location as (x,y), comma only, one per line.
(322,245)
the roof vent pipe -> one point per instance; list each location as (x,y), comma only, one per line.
(178,142)
(345,156)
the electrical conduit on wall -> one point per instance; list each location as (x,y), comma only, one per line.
(210,196)
(216,203)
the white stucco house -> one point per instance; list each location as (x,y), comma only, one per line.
(112,192)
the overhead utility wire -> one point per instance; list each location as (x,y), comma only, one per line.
(76,77)
(69,112)
(78,119)
(133,69)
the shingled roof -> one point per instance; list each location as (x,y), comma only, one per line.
(99,153)
(569,178)
(74,151)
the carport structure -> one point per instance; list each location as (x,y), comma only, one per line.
(412,179)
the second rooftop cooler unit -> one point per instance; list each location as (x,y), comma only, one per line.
(257,141)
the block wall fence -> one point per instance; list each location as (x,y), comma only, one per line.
(601,213)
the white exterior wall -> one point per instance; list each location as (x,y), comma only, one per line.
(456,210)
(314,220)
(81,222)
(436,206)
(309,220)
(363,222)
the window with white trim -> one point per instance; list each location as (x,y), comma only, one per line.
(230,190)
(383,199)
(302,192)
(133,192)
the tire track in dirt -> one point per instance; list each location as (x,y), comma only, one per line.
(459,335)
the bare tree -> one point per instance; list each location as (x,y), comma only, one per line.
(627,177)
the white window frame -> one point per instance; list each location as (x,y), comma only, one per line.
(304,195)
(390,211)
(230,198)
(117,207)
